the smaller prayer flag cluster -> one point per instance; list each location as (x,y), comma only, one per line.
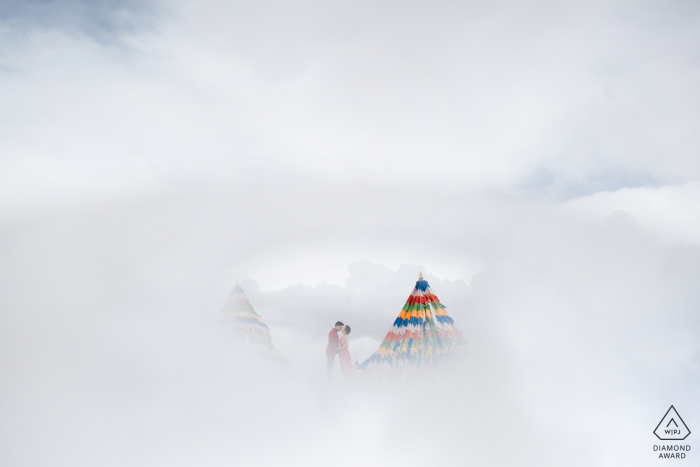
(422,339)
(248,327)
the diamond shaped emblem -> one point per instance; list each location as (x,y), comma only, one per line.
(672,427)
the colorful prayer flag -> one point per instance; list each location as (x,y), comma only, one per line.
(422,339)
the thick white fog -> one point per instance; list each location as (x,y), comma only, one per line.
(536,161)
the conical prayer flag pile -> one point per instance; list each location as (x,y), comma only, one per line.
(422,339)
(248,327)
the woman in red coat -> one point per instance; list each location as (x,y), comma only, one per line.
(344,356)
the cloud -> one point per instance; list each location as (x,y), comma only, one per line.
(599,97)
(102,20)
(670,212)
(369,302)
(578,329)
(152,155)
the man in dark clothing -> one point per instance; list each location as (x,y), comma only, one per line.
(332,348)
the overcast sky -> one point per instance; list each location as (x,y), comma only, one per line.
(538,161)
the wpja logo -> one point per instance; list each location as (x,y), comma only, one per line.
(672,428)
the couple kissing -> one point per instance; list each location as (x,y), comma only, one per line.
(338,345)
